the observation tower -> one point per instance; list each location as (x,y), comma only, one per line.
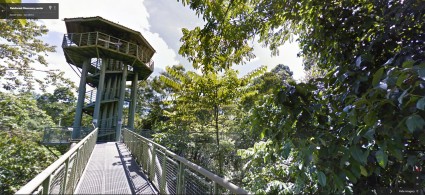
(107,56)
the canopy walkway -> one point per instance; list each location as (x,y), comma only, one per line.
(109,55)
(135,166)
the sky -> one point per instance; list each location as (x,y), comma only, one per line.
(160,22)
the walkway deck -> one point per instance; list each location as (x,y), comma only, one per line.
(112,170)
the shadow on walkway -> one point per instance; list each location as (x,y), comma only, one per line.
(137,180)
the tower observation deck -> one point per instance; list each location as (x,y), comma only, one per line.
(107,55)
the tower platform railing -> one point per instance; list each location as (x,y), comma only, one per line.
(173,174)
(108,42)
(90,97)
(63,175)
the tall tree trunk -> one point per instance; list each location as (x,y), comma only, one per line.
(220,159)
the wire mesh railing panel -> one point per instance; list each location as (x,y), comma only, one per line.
(158,168)
(172,174)
(194,184)
(57,180)
(62,176)
(71,174)
(145,158)
(57,135)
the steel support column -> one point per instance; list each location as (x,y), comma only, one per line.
(121,103)
(133,102)
(96,114)
(76,132)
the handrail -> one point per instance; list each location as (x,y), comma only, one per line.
(156,160)
(63,175)
(109,42)
(61,135)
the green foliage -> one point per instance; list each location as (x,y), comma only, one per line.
(22,154)
(60,105)
(354,130)
(21,51)
(203,116)
(22,159)
(22,112)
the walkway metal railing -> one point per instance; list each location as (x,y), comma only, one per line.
(61,135)
(63,175)
(173,174)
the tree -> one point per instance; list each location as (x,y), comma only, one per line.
(204,105)
(21,112)
(22,158)
(152,101)
(21,53)
(357,129)
(21,129)
(60,105)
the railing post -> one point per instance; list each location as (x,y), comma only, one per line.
(81,36)
(46,184)
(132,142)
(152,165)
(214,190)
(140,151)
(97,36)
(180,179)
(145,147)
(65,179)
(74,174)
(88,38)
(162,189)
(80,161)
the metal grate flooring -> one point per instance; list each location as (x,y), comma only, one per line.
(112,170)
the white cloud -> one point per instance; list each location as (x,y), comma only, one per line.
(160,22)
(130,13)
(164,56)
(287,56)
